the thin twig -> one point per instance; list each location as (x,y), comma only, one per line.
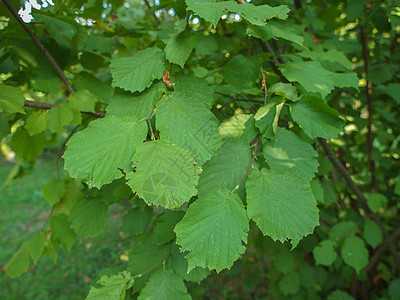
(368,93)
(49,57)
(375,259)
(357,191)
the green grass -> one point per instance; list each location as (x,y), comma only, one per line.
(23,213)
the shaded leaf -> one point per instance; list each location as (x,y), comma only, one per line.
(316,118)
(289,153)
(354,253)
(226,168)
(164,285)
(88,217)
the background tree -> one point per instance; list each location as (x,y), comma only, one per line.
(226,133)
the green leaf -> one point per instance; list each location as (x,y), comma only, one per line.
(213,230)
(36,122)
(284,261)
(276,29)
(11,99)
(267,117)
(61,31)
(27,147)
(164,226)
(61,231)
(281,204)
(282,30)
(164,285)
(285,90)
(20,261)
(342,80)
(324,253)
(242,72)
(136,104)
(394,289)
(165,174)
(58,117)
(135,73)
(86,81)
(137,220)
(354,253)
(145,256)
(113,287)
(194,87)
(115,192)
(316,118)
(88,217)
(238,127)
(339,295)
(54,190)
(193,126)
(36,246)
(289,153)
(212,11)
(331,55)
(96,153)
(179,264)
(290,283)
(323,193)
(311,75)
(372,233)
(180,46)
(5,128)
(226,168)
(393,90)
(376,201)
(341,230)
(83,100)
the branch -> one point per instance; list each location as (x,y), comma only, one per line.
(46,106)
(297,4)
(49,57)
(375,259)
(357,191)
(274,59)
(368,93)
(153,15)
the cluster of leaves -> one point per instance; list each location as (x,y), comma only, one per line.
(208,120)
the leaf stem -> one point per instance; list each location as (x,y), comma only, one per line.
(151,128)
